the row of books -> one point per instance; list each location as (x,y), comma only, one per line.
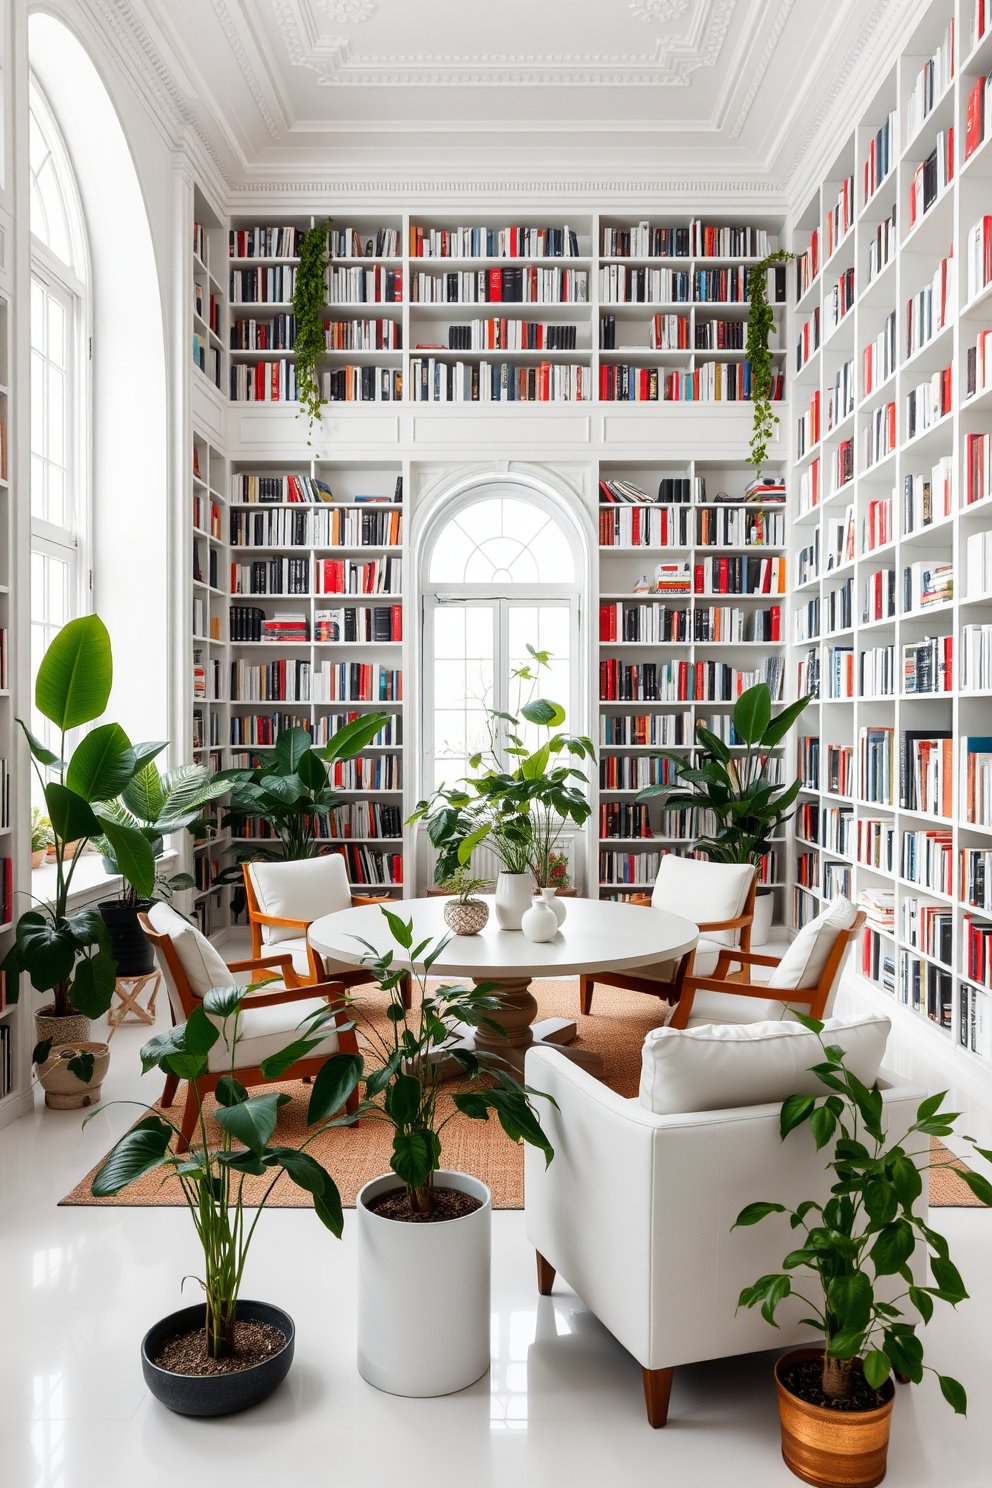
(712,624)
(264,728)
(371,866)
(275,285)
(808,426)
(928,927)
(206,516)
(840,217)
(662,730)
(975,1006)
(837,879)
(634,772)
(878,959)
(840,395)
(877,672)
(976,779)
(925,584)
(977,467)
(977,116)
(289,681)
(809,488)
(361,385)
(838,606)
(719,382)
(271,576)
(316,527)
(207,307)
(434,381)
(265,242)
(976,876)
(807,265)
(714,335)
(883,150)
(265,382)
(347,243)
(932,176)
(842,465)
(363,335)
(928,666)
(930,83)
(879,440)
(978,950)
(638,869)
(975,667)
(378,286)
(378,624)
(740,575)
(978,260)
(521,286)
(928,501)
(281,490)
(928,402)
(978,365)
(684,681)
(378,576)
(927,860)
(362,819)
(626,819)
(808,870)
(929,311)
(809,339)
(207,358)
(489,242)
(840,299)
(512,335)
(208,575)
(678,490)
(926,989)
(882,245)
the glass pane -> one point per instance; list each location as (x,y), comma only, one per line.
(58,593)
(56,333)
(56,415)
(503,540)
(56,496)
(449,632)
(37,587)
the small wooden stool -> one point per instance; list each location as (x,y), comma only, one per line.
(128,990)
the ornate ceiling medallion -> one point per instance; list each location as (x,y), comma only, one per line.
(351,11)
(654,12)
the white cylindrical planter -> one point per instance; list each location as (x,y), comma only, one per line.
(764,909)
(513,898)
(417,1339)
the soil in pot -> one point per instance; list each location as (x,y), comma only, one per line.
(128,944)
(254,1342)
(804,1378)
(449,1203)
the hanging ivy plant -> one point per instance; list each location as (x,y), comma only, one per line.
(308,307)
(760,325)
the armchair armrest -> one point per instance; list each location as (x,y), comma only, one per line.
(359,899)
(333,991)
(263,919)
(737,923)
(750,958)
(284,964)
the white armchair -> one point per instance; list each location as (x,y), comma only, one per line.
(636,1209)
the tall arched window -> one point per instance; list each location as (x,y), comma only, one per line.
(500,576)
(59,314)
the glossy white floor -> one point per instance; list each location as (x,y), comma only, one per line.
(562,1405)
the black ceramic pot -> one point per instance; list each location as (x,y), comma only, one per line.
(128,945)
(215,1394)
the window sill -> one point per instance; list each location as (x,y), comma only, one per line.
(90,881)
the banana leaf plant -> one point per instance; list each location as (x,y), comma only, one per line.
(62,953)
(156,805)
(289,789)
(211,1178)
(748,808)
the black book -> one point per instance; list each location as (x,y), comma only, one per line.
(382,623)
(930,181)
(608,332)
(350,625)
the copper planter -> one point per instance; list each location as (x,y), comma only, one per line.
(829,1448)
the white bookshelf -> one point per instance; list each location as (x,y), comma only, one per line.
(917,255)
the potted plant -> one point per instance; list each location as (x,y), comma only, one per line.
(227,1353)
(71,1075)
(748,808)
(155,805)
(551,872)
(41,836)
(69,954)
(464,913)
(521,811)
(760,325)
(309,299)
(835,1399)
(421,1220)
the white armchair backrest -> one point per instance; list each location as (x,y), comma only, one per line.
(204,966)
(300,890)
(702,891)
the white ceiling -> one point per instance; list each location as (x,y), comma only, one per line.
(729,95)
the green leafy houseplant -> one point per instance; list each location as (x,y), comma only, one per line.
(41,830)
(156,805)
(760,325)
(309,299)
(212,1178)
(464,885)
(749,810)
(519,812)
(65,954)
(288,789)
(403,1089)
(868,1231)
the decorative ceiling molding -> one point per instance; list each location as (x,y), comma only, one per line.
(583,189)
(670,65)
(656,12)
(768,51)
(352,12)
(247,71)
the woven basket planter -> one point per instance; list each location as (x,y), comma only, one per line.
(466,918)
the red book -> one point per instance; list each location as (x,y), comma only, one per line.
(496,285)
(699,584)
(397,626)
(776,622)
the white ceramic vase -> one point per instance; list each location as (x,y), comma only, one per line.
(514,892)
(540,923)
(550,896)
(413,1341)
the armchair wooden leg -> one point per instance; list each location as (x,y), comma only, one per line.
(657,1391)
(171,1086)
(189,1117)
(586,985)
(351,1106)
(545,1275)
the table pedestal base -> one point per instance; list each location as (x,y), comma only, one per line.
(516,1017)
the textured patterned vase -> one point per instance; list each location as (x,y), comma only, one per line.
(466,917)
(513,896)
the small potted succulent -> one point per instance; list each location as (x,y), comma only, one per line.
(835,1399)
(464,913)
(41,836)
(420,1220)
(227,1353)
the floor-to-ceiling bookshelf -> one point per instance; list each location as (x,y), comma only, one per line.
(906,858)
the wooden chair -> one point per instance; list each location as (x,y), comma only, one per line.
(816,1000)
(686,886)
(323,890)
(184,998)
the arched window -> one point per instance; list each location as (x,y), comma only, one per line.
(500,577)
(59,485)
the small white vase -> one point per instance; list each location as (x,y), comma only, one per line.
(540,923)
(513,895)
(550,896)
(409,1344)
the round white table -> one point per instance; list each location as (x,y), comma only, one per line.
(598,935)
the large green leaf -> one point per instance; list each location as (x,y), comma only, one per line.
(276,1065)
(403,1098)
(138,1152)
(70,815)
(201,1034)
(102,764)
(781,723)
(354,737)
(893,1248)
(143,794)
(851,1298)
(47,952)
(93,984)
(223,1001)
(291,745)
(134,856)
(335,1081)
(544,712)
(252,1121)
(415,1156)
(307,1173)
(753,713)
(312,771)
(41,752)
(76,674)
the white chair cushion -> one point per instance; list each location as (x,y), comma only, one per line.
(803,963)
(702,891)
(264,1031)
(297,948)
(299,890)
(204,966)
(721,1066)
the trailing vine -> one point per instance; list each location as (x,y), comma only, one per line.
(760,325)
(308,308)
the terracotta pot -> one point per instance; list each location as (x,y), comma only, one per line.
(75,1029)
(832,1449)
(38,857)
(68,850)
(466,917)
(64,1090)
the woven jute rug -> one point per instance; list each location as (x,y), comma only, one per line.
(354,1156)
